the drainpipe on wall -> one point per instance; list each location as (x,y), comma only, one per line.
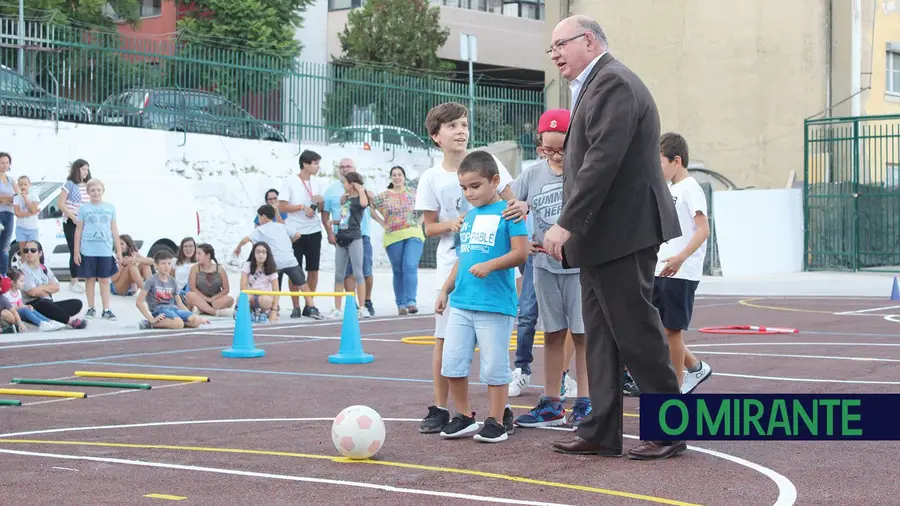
(829,51)
(565,7)
(855,56)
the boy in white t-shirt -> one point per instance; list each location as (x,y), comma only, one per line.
(439,195)
(680,265)
(302,198)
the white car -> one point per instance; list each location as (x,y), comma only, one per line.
(157,214)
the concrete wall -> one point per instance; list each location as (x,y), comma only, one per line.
(506,41)
(736,78)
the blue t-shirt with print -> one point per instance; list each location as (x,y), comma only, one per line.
(332,206)
(96,234)
(484,236)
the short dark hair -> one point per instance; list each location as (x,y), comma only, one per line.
(444,113)
(307,157)
(671,145)
(161,255)
(267,211)
(5,154)
(354,177)
(273,190)
(481,162)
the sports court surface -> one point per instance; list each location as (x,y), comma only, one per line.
(259,431)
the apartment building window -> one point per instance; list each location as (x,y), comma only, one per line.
(892,69)
(151,8)
(527,9)
(340,5)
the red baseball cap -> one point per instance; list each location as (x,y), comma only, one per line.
(554,120)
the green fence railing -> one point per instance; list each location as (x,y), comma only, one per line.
(249,94)
(852,193)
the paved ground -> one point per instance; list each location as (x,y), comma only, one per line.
(259,431)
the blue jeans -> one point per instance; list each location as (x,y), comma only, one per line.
(528,315)
(404,256)
(6,219)
(31,316)
(490,332)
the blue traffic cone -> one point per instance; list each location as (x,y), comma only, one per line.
(895,293)
(242,345)
(351,351)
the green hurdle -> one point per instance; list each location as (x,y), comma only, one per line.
(77,383)
(8,402)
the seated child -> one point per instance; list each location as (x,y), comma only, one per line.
(159,301)
(482,301)
(13,294)
(259,273)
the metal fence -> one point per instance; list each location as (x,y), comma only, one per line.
(852,193)
(230,89)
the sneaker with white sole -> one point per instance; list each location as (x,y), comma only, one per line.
(519,382)
(335,314)
(491,432)
(47,327)
(460,426)
(693,379)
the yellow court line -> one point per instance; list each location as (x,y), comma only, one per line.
(749,303)
(532,407)
(470,472)
(166,496)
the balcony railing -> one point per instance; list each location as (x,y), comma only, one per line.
(528,9)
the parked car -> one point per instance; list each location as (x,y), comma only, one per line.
(156,214)
(385,136)
(182,110)
(21,97)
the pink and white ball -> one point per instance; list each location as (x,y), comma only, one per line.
(358,432)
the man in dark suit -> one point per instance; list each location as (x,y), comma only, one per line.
(616,212)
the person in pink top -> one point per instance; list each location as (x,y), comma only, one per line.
(259,273)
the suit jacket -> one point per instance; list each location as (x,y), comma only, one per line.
(615,199)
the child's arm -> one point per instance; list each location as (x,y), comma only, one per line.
(225,286)
(245,281)
(518,254)
(433,227)
(79,227)
(140,303)
(673,264)
(240,246)
(363,195)
(441,303)
(115,235)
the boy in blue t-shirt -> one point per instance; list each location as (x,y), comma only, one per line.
(483,300)
(97,247)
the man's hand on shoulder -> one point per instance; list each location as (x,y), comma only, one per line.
(516,210)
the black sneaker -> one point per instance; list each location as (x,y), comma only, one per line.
(434,421)
(508,422)
(491,432)
(297,312)
(370,308)
(629,387)
(108,315)
(90,313)
(462,426)
(311,312)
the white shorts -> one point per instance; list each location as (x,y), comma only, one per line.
(559,301)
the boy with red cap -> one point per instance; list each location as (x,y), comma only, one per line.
(557,289)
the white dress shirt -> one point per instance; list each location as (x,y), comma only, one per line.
(578,82)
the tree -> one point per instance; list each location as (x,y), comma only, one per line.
(392,46)
(77,12)
(248,45)
(406,33)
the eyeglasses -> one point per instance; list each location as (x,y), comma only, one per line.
(552,152)
(557,47)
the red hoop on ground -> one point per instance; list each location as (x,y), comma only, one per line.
(748,329)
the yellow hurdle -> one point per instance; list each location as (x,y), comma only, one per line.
(299,294)
(125,375)
(42,393)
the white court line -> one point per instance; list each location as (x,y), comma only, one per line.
(787,492)
(808,380)
(893,318)
(860,311)
(307,479)
(706,345)
(780,355)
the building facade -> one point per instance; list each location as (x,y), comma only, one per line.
(738,79)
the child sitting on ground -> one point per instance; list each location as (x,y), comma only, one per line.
(13,294)
(259,273)
(159,301)
(482,300)
(9,317)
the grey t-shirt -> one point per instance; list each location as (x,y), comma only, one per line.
(35,277)
(160,293)
(542,189)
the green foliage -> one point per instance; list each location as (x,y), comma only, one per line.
(406,33)
(76,12)
(247,37)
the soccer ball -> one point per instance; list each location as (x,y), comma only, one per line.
(358,432)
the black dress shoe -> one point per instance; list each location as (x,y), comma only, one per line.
(580,446)
(657,450)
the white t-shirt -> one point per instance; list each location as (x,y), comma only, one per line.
(278,237)
(296,191)
(28,222)
(689,200)
(438,190)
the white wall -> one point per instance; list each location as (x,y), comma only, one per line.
(759,231)
(230,176)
